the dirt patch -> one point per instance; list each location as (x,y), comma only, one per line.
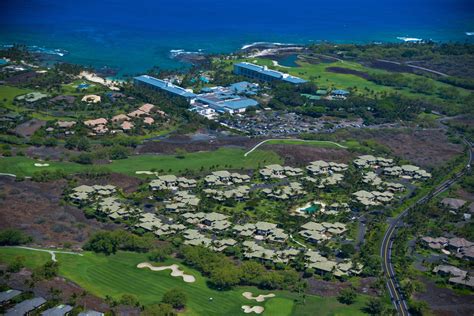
(389,66)
(426,148)
(52,153)
(444,301)
(29,127)
(328,288)
(170,146)
(37,209)
(346,71)
(301,155)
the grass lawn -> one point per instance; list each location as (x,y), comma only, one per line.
(7,94)
(117,275)
(226,158)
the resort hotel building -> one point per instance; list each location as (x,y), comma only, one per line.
(264,74)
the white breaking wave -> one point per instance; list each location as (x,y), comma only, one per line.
(246,46)
(409,39)
(177,52)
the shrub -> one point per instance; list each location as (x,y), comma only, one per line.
(13,237)
(175,297)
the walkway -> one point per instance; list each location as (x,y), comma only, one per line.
(52,252)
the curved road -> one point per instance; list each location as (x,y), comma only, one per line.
(388,239)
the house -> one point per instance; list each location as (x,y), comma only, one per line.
(126,125)
(339,94)
(65,124)
(26,307)
(264,74)
(435,243)
(95,122)
(453,204)
(148,120)
(6,296)
(59,310)
(457,244)
(120,118)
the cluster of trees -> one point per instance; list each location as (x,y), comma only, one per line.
(13,237)
(109,242)
(224,273)
(387,109)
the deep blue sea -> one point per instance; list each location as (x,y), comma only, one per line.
(133,36)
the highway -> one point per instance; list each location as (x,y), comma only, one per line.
(386,248)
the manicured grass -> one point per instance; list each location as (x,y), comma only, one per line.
(226,158)
(117,275)
(329,306)
(279,306)
(7,94)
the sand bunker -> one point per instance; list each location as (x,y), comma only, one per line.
(260,298)
(41,164)
(252,309)
(145,172)
(175,271)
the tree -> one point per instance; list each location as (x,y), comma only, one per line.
(13,237)
(417,308)
(159,310)
(17,264)
(374,307)
(225,276)
(129,299)
(347,250)
(47,271)
(347,296)
(102,242)
(251,272)
(175,297)
(160,254)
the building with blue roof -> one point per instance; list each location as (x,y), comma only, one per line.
(25,307)
(168,87)
(224,101)
(264,74)
(245,88)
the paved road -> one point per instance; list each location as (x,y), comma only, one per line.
(387,243)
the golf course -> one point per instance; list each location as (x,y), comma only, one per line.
(118,274)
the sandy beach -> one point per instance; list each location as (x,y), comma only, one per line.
(94,78)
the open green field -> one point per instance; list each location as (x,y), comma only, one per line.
(117,275)
(229,158)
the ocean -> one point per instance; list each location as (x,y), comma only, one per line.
(133,36)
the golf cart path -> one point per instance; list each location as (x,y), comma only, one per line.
(52,252)
(294,139)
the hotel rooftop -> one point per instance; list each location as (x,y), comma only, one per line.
(265,74)
(164,85)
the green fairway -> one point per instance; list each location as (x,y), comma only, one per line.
(226,158)
(117,274)
(7,94)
